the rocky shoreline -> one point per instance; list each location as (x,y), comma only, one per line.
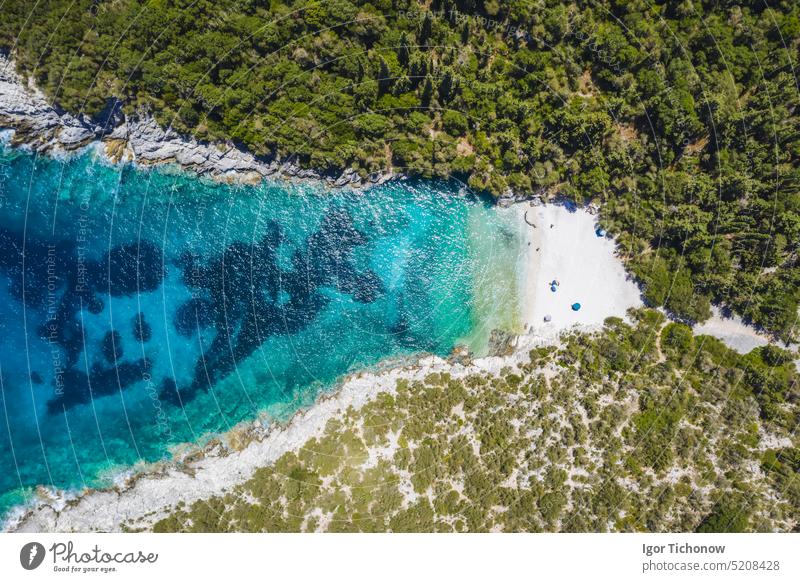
(38,125)
(140,499)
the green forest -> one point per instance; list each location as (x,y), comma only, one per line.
(640,427)
(680,119)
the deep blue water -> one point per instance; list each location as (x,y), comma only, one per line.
(140,309)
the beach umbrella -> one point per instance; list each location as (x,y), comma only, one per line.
(576,306)
(600,232)
(547,318)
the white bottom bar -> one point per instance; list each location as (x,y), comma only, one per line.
(353,557)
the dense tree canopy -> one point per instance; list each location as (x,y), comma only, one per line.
(679,117)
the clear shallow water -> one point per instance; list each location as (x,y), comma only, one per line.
(142,309)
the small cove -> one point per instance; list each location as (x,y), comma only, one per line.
(146,308)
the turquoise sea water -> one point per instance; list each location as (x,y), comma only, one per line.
(141,309)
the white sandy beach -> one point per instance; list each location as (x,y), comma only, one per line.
(564,246)
(590,273)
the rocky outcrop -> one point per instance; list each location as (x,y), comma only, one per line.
(41,126)
(149,144)
(35,122)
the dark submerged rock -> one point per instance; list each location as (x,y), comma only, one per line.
(112,346)
(141,329)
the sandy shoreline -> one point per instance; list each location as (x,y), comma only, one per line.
(589,272)
(562,245)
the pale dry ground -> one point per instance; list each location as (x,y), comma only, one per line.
(731,330)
